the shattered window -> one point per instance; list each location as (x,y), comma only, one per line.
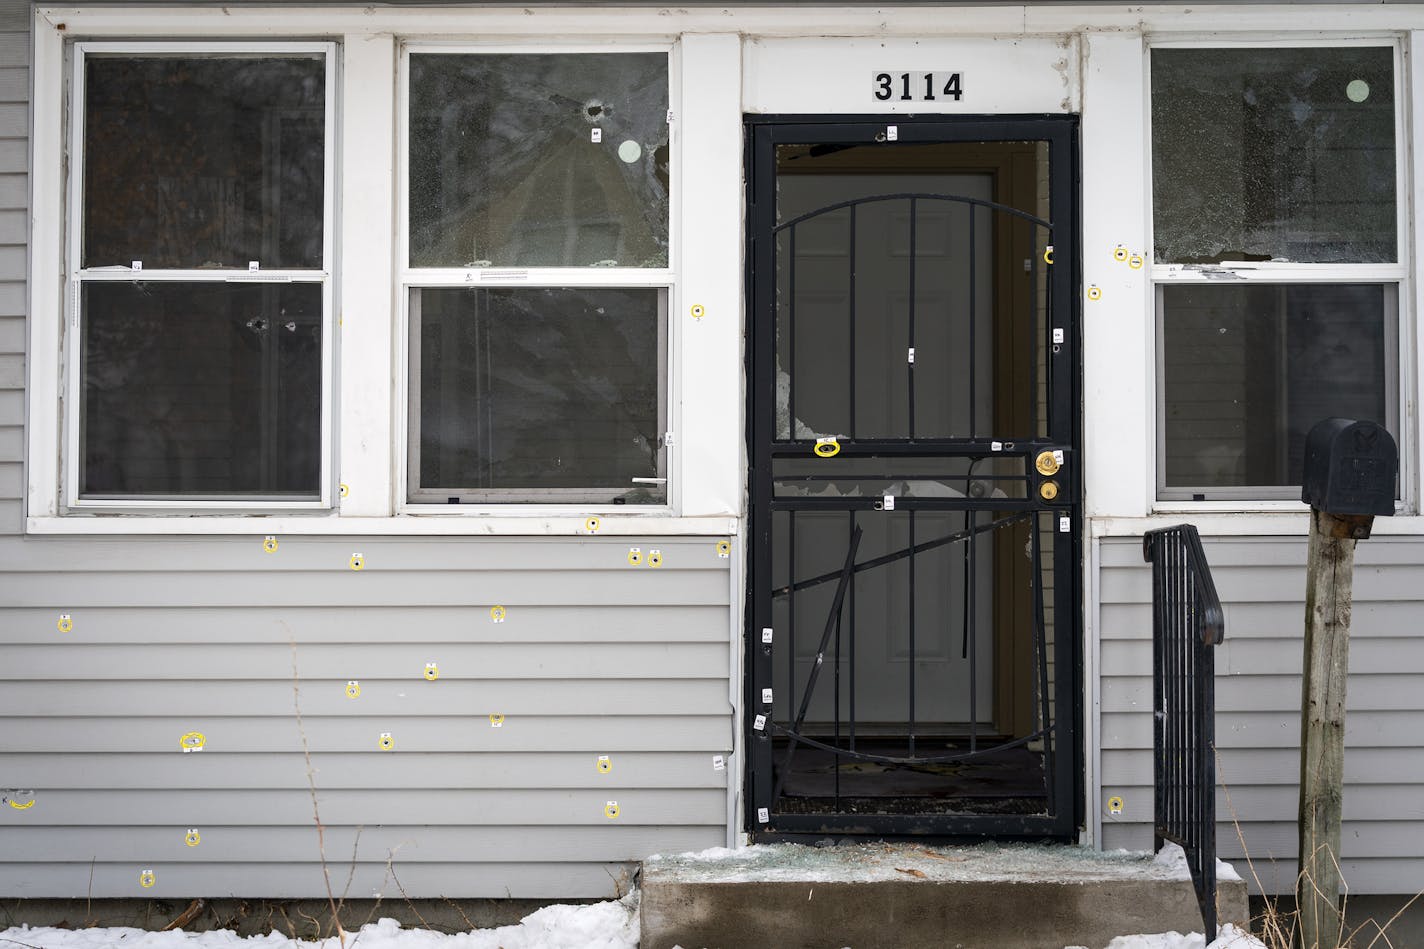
(538,160)
(1284,154)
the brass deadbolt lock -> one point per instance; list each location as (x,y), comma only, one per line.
(1048,490)
(1046,463)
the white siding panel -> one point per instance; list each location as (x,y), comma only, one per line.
(352,771)
(373,878)
(532,623)
(14,49)
(1262,585)
(414,843)
(12,443)
(179,635)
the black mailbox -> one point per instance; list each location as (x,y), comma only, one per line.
(1350,468)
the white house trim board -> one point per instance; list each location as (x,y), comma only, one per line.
(46,295)
(588,23)
(1001,75)
(708,377)
(1117,363)
(368,295)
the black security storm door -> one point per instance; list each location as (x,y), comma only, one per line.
(913,622)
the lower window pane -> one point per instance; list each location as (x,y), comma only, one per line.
(544,395)
(1248,369)
(200,391)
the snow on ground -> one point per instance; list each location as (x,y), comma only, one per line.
(614,925)
(607,925)
(1228,937)
(595,926)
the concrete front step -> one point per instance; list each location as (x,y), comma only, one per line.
(903,896)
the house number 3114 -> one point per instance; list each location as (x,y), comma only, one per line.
(922,86)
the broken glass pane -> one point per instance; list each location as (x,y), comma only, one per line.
(1274,154)
(537,394)
(204,161)
(200,390)
(1249,369)
(550,160)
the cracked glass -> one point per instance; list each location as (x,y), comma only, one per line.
(1274,155)
(538,160)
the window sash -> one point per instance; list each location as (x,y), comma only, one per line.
(79,276)
(1401,139)
(593,494)
(1396,275)
(630,276)
(418,499)
(1390,385)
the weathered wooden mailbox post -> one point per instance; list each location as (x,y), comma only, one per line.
(1349,477)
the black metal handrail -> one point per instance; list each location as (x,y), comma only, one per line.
(1187,622)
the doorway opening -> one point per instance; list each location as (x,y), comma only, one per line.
(913,603)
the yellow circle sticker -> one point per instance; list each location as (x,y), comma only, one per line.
(724,548)
(192,741)
(1094,293)
(1115,805)
(827,447)
(432,671)
(698,311)
(496,720)
(146,879)
(358,561)
(591,525)
(1048,254)
(353,689)
(605,764)
(610,810)
(497,614)
(269,544)
(65,623)
(386,742)
(1135,261)
(655,558)
(193,838)
(1120,254)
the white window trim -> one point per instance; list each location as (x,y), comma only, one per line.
(706,469)
(664,278)
(76,277)
(1405,361)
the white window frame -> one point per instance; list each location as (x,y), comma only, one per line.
(76,276)
(705,467)
(414,278)
(1401,380)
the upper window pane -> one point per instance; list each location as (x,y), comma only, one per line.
(1274,154)
(204,161)
(557,160)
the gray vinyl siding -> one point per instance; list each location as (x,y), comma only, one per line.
(1262,586)
(14,204)
(174,635)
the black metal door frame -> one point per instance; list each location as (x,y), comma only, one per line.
(763,133)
